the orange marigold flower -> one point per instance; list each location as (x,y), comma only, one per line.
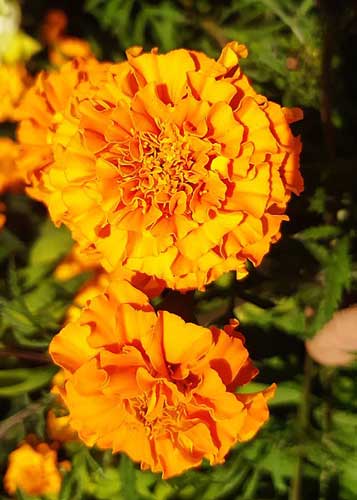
(62,48)
(2,215)
(54,26)
(152,386)
(172,166)
(59,427)
(33,470)
(68,48)
(9,175)
(14,80)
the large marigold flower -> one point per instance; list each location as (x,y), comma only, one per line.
(152,386)
(33,470)
(173,166)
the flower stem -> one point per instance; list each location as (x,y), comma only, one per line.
(303,424)
(21,415)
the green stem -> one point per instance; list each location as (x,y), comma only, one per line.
(303,424)
(28,355)
(288,20)
(327,469)
(21,415)
(215,31)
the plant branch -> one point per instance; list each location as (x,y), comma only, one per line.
(303,423)
(31,356)
(20,416)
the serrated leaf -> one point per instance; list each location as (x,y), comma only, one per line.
(127,478)
(337,277)
(15,315)
(318,233)
(22,380)
(287,393)
(286,316)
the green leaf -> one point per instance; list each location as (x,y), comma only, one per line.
(15,315)
(108,486)
(9,244)
(336,279)
(318,233)
(52,244)
(127,478)
(18,381)
(287,393)
(286,316)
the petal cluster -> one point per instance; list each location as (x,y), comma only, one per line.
(170,165)
(34,470)
(76,263)
(152,386)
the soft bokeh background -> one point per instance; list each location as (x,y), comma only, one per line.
(301,53)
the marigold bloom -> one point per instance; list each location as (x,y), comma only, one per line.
(2,215)
(62,48)
(9,175)
(152,386)
(33,470)
(54,26)
(172,166)
(13,82)
(68,48)
(59,427)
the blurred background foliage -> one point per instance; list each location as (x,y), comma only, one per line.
(301,53)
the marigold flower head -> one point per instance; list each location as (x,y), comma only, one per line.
(34,470)
(152,386)
(53,26)
(2,215)
(172,166)
(68,48)
(14,80)
(9,175)
(62,48)
(59,427)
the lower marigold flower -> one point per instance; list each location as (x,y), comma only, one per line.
(152,386)
(33,470)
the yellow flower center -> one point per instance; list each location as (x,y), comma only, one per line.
(155,167)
